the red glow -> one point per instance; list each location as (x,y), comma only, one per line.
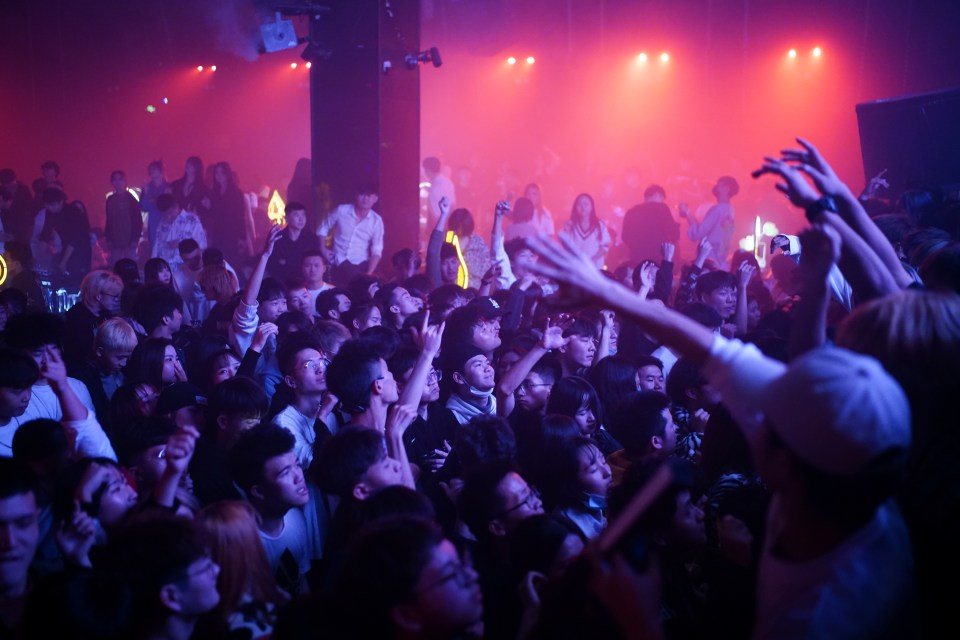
(531,60)
(664,57)
(511,60)
(642,57)
(309,64)
(817,52)
(792,53)
(213,67)
(293,65)
(200,67)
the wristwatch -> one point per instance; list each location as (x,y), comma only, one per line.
(826,203)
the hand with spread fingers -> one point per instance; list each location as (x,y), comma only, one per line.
(566,264)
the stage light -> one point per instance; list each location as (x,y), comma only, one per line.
(200,68)
(664,57)
(309,64)
(213,67)
(817,52)
(151,108)
(293,65)
(511,60)
(165,101)
(531,60)
(792,53)
(642,57)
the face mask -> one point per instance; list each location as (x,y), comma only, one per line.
(479,393)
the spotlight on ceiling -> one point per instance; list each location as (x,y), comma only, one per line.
(278,35)
(817,52)
(511,60)
(664,57)
(792,53)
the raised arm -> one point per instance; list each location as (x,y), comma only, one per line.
(811,161)
(567,265)
(513,378)
(744,274)
(436,242)
(430,337)
(821,250)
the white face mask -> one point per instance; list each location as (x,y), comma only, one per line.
(479,393)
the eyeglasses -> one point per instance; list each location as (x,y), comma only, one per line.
(532,497)
(525,386)
(207,567)
(436,374)
(314,365)
(462,573)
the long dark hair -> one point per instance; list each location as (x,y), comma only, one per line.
(146,362)
(594,219)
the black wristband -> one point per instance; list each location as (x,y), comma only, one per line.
(826,203)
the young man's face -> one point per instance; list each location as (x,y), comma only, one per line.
(649,378)
(723,299)
(586,420)
(13,402)
(282,482)
(486,334)
(386,472)
(309,375)
(197,589)
(297,219)
(403,304)
(533,393)
(270,310)
(478,373)
(19,536)
(299,300)
(389,391)
(448,596)
(669,433)
(520,501)
(112,360)
(366,200)
(580,350)
(174,320)
(39,354)
(193,260)
(449,268)
(312,269)
(119,183)
(522,260)
(686,528)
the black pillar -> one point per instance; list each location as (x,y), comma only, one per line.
(365,110)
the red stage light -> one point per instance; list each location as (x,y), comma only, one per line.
(511,60)
(664,57)
(200,67)
(642,57)
(531,60)
(213,67)
(309,64)
(792,53)
(817,52)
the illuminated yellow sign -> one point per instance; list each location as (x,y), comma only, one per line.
(275,209)
(3,270)
(463,276)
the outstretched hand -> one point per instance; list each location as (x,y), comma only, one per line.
(745,274)
(810,161)
(565,264)
(272,236)
(800,192)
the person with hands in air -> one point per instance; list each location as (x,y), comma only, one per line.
(527,385)
(687,289)
(829,433)
(443,263)
(262,300)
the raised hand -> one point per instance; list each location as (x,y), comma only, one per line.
(800,192)
(431,336)
(821,250)
(272,236)
(873,187)
(502,208)
(648,275)
(444,206)
(811,161)
(180,448)
(667,250)
(399,417)
(553,338)
(54,371)
(76,537)
(745,274)
(704,248)
(684,210)
(566,264)
(260,336)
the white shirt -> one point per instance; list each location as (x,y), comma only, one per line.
(354,240)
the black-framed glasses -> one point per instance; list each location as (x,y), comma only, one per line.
(525,386)
(462,574)
(532,497)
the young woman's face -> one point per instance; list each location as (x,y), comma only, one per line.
(586,419)
(584,208)
(164,275)
(170,361)
(594,476)
(225,369)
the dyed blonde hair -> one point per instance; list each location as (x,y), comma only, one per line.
(97,282)
(115,335)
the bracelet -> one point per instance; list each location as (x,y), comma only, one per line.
(826,203)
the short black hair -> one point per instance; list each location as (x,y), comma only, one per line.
(654,190)
(710,282)
(638,418)
(684,375)
(293,205)
(165,202)
(253,449)
(479,501)
(154,302)
(51,195)
(19,370)
(352,372)
(39,440)
(703,314)
(327,301)
(342,460)
(403,360)
(290,346)
(21,252)
(187,245)
(133,439)
(581,327)
(238,396)
(34,330)
(15,479)
(270,289)
(484,438)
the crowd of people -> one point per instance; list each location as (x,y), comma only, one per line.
(275,433)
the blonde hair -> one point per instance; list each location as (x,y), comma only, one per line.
(218,280)
(96,282)
(230,529)
(115,334)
